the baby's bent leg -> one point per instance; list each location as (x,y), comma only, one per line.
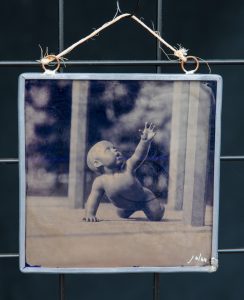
(153,210)
(124,213)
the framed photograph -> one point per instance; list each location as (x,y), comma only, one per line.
(119,172)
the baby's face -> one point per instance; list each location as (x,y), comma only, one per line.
(109,155)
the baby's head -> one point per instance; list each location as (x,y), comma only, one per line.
(104,156)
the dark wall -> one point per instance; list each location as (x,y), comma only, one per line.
(210,29)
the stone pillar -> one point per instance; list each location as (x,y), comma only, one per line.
(179,121)
(197,147)
(78,143)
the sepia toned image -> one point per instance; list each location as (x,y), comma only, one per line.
(119,172)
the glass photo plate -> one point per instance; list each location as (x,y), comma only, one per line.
(119,172)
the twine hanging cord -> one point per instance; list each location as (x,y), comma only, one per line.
(180,53)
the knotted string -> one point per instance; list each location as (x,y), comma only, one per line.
(180,53)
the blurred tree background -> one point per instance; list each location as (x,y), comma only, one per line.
(48,118)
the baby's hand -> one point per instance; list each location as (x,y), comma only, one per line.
(90,218)
(149,132)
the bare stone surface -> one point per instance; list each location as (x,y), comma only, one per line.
(56,236)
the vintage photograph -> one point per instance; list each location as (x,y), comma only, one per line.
(119,173)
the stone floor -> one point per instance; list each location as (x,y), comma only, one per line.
(56,236)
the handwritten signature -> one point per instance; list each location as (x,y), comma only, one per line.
(198,258)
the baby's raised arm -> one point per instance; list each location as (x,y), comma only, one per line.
(142,148)
(94,200)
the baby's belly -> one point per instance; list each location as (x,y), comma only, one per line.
(121,202)
(127,197)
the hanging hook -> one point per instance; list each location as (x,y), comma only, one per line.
(134,11)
